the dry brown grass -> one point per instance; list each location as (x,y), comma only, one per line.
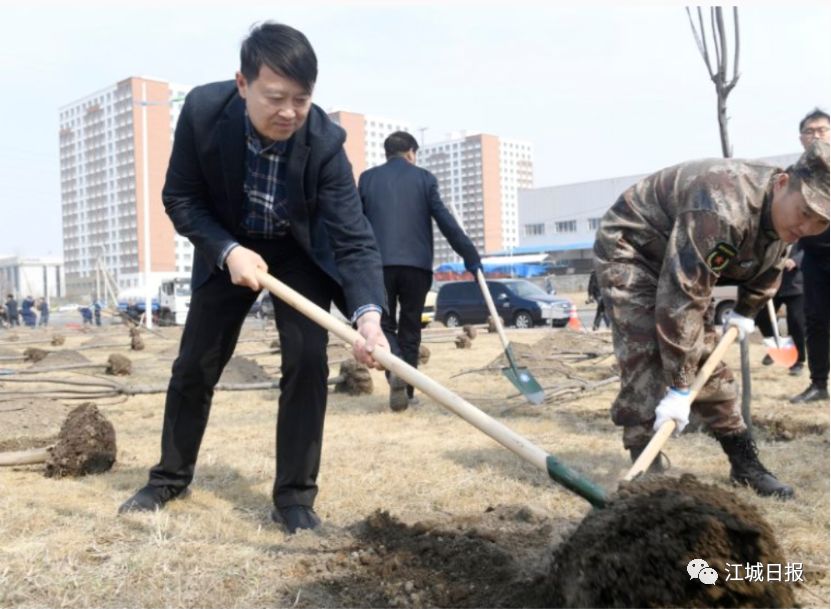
(62,545)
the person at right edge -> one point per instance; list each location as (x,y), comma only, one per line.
(401,200)
(660,250)
(815,273)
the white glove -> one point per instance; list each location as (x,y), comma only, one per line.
(674,407)
(745,325)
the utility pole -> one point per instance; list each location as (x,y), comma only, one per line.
(422,130)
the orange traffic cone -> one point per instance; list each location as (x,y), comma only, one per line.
(574,320)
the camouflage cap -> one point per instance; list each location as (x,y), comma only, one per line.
(812,170)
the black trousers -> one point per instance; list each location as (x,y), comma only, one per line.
(600,314)
(795,314)
(816,291)
(215,317)
(406,286)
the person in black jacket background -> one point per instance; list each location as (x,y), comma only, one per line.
(401,200)
(815,271)
(258,181)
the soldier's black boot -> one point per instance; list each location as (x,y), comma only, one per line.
(658,466)
(747,470)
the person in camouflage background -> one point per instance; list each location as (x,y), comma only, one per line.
(660,250)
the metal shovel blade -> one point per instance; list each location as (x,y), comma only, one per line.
(522,379)
(785,354)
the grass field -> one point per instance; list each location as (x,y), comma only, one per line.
(419,508)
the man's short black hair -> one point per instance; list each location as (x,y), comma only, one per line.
(398,143)
(283,49)
(812,116)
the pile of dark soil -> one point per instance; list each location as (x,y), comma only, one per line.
(86,444)
(353,379)
(59,358)
(634,553)
(119,364)
(243,370)
(490,561)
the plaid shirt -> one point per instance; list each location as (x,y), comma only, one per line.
(266,202)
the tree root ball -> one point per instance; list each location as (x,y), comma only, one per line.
(119,365)
(136,343)
(470,331)
(423,354)
(354,379)
(86,444)
(57,340)
(33,354)
(635,551)
(463,342)
(491,325)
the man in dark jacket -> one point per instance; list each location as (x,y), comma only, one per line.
(11,310)
(790,295)
(816,272)
(401,200)
(595,295)
(258,181)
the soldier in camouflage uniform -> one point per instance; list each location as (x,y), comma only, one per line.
(660,250)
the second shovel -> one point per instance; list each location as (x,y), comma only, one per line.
(521,378)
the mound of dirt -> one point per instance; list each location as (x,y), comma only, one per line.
(118,364)
(355,379)
(61,357)
(86,444)
(634,552)
(243,370)
(489,561)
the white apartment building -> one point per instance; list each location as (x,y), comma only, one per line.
(479,178)
(103,174)
(365,137)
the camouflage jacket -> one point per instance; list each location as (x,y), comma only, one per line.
(694,225)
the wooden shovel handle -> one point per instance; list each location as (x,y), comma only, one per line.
(467,411)
(486,294)
(660,437)
(774,325)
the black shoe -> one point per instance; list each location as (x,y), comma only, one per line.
(796,369)
(659,465)
(398,393)
(767,360)
(151,498)
(811,394)
(295,517)
(747,470)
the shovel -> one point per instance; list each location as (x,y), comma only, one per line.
(658,440)
(781,350)
(521,378)
(508,438)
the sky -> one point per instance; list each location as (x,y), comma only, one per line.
(601,90)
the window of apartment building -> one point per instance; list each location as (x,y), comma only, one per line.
(594,223)
(534,229)
(569,226)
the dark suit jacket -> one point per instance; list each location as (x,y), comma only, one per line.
(203,192)
(400,199)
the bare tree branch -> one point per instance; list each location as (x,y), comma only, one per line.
(719,74)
